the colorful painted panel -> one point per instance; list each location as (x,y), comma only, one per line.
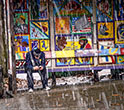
(20,5)
(88,5)
(105,30)
(45,45)
(104,10)
(19,56)
(64,43)
(71,8)
(119,45)
(21,23)
(62,25)
(39,30)
(43,11)
(119,31)
(81,24)
(20,64)
(39,9)
(87,52)
(104,47)
(34,9)
(83,42)
(72,30)
(120,59)
(105,44)
(65,62)
(107,60)
(83,60)
(22,43)
(119,9)
(34,44)
(110,51)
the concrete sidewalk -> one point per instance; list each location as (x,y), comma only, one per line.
(99,96)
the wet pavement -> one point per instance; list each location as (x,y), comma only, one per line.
(99,96)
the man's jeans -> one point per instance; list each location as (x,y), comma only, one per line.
(42,74)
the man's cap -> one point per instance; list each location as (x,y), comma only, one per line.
(82,38)
(37,52)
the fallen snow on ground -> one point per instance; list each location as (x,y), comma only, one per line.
(104,72)
(70,80)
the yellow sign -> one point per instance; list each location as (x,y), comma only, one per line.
(64,54)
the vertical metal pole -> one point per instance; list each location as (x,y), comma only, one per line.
(94,31)
(51,18)
(5,27)
(95,40)
(11,53)
(9,38)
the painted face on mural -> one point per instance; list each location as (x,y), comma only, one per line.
(24,44)
(21,19)
(61,43)
(82,40)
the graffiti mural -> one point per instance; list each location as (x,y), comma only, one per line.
(75,35)
(67,34)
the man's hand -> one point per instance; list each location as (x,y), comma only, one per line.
(41,67)
(36,68)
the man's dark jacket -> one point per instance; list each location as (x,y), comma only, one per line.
(29,65)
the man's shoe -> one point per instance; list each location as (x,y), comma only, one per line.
(53,84)
(47,88)
(30,90)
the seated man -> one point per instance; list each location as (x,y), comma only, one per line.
(35,62)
